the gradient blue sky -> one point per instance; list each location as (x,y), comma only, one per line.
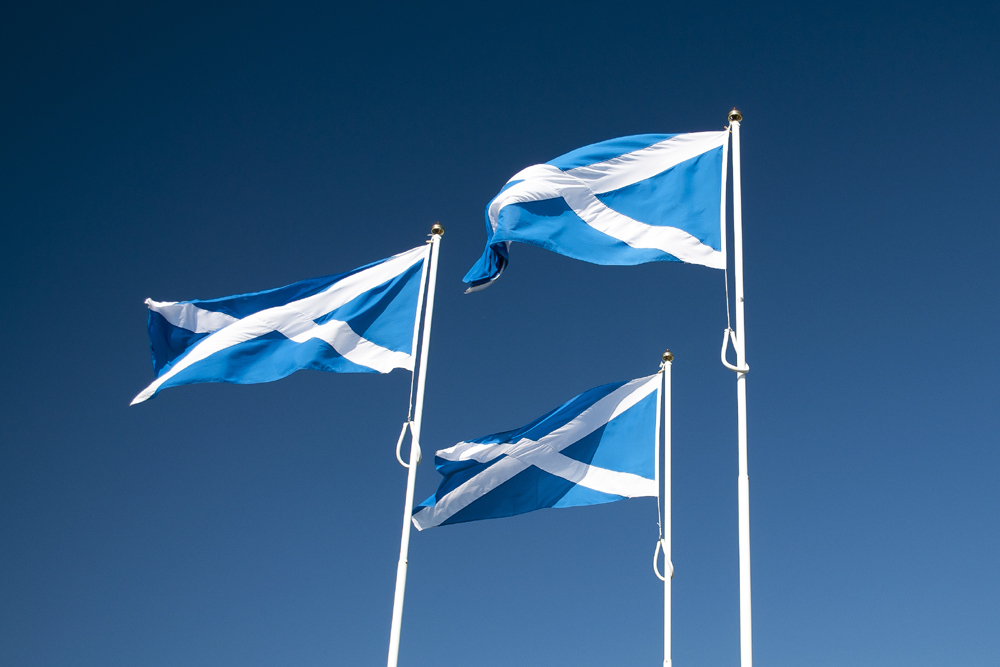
(181,152)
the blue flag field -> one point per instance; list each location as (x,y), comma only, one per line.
(598,447)
(361,321)
(632,200)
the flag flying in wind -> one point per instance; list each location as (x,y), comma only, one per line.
(597,448)
(361,321)
(632,200)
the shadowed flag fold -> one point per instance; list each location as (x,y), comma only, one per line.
(361,321)
(598,447)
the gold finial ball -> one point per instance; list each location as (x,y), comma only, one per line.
(437,229)
(668,356)
(735,115)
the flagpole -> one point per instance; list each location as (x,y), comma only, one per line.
(411,474)
(746,640)
(668,566)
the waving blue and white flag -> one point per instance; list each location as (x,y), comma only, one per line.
(361,321)
(597,448)
(637,199)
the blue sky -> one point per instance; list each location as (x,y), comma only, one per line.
(190,152)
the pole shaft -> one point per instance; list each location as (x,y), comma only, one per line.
(411,473)
(668,568)
(746,639)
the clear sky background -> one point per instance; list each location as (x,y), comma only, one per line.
(180,152)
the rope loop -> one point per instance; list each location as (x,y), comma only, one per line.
(413,443)
(656,558)
(729,335)
(399,443)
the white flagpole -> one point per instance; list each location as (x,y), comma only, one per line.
(411,474)
(746,638)
(668,566)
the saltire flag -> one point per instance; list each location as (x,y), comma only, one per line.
(632,200)
(361,321)
(596,448)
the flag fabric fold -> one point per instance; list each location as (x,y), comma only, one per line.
(632,200)
(361,321)
(598,447)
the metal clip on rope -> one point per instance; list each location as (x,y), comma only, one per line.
(399,444)
(656,557)
(727,335)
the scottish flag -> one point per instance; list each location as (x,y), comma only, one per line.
(597,448)
(637,199)
(361,321)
